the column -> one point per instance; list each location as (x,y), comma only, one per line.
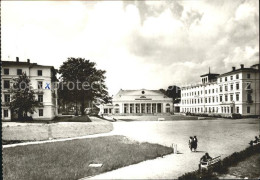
(134,108)
(155,107)
(144,107)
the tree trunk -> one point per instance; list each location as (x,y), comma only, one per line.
(82,108)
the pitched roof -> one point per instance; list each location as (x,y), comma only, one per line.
(15,63)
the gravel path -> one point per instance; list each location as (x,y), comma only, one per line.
(217,137)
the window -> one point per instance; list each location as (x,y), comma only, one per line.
(220,88)
(249,97)
(6,84)
(237,76)
(248,85)
(205,100)
(220,79)
(209,99)
(6,71)
(226,98)
(231,77)
(213,99)
(205,91)
(105,111)
(19,72)
(116,110)
(248,76)
(6,113)
(248,109)
(237,97)
(39,84)
(7,97)
(167,110)
(40,98)
(216,90)
(231,97)
(40,112)
(237,86)
(231,87)
(217,99)
(39,72)
(226,88)
(209,91)
(220,98)
(225,78)
(213,90)
(237,109)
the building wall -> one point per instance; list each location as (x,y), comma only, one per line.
(225,82)
(49,104)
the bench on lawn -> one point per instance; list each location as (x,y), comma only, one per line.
(209,163)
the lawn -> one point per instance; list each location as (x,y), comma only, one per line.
(248,168)
(71,159)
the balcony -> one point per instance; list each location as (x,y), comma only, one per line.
(249,90)
(249,101)
(5,103)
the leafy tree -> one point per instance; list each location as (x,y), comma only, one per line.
(23,99)
(173,92)
(83,81)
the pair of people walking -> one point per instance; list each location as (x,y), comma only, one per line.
(193,143)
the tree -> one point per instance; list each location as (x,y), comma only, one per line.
(23,99)
(83,80)
(173,92)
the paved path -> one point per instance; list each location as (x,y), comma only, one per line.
(218,137)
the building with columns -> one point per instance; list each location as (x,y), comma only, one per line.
(140,102)
(236,91)
(40,77)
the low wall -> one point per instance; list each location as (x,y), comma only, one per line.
(32,132)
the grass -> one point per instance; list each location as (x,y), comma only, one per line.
(234,160)
(248,168)
(71,159)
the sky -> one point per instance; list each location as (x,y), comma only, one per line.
(140,44)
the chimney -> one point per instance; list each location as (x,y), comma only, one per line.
(17,59)
(233,68)
(28,61)
(242,66)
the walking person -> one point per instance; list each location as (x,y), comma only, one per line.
(191,143)
(195,140)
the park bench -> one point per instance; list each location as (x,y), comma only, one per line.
(209,163)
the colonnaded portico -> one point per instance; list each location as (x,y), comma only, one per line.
(141,102)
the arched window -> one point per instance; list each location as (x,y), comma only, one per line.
(168,104)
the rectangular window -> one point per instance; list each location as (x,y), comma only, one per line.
(237,86)
(212,90)
(209,91)
(231,77)
(217,99)
(6,113)
(209,99)
(248,76)
(248,109)
(213,99)
(231,97)
(40,112)
(248,85)
(220,88)
(237,97)
(225,78)
(205,91)
(226,98)
(19,72)
(220,98)
(6,71)
(237,109)
(40,98)
(7,97)
(231,87)
(39,84)
(237,76)
(39,72)
(220,79)
(226,88)
(6,84)
(205,100)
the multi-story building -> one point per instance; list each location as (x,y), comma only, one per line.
(236,91)
(41,78)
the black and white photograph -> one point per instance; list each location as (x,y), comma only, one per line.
(130,89)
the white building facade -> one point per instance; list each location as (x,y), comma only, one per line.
(236,91)
(40,79)
(139,102)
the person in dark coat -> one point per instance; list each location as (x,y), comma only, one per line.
(195,141)
(256,139)
(205,158)
(191,144)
